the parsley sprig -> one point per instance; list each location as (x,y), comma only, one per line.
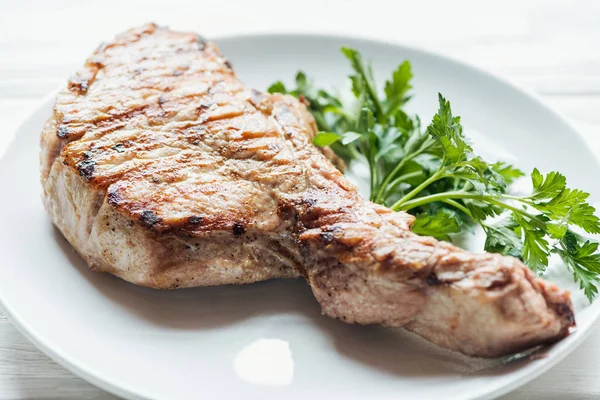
(434,174)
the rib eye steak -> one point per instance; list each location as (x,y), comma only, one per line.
(159,166)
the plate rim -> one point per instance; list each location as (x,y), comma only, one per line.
(122,389)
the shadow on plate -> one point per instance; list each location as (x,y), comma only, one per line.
(209,308)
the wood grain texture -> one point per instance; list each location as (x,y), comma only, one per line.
(549,47)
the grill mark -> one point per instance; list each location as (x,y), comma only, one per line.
(224,116)
(195,220)
(119,148)
(113,197)
(159,166)
(62,131)
(150,218)
(432,280)
(81,82)
(100,127)
(86,168)
(238,229)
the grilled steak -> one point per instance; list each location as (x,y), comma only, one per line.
(159,166)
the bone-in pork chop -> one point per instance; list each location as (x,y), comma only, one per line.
(159,166)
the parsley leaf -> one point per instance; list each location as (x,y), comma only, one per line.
(502,237)
(323,139)
(584,262)
(396,89)
(439,225)
(447,129)
(535,246)
(508,173)
(547,187)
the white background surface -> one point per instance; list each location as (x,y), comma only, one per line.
(548,46)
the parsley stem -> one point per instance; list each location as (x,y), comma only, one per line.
(376,102)
(372,166)
(460,195)
(387,181)
(516,210)
(398,181)
(436,176)
(389,177)
(354,152)
(456,204)
(516,198)
(464,209)
(372,93)
(405,206)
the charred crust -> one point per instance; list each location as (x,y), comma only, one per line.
(203,107)
(62,131)
(81,82)
(86,167)
(303,245)
(113,197)
(196,220)
(161,100)
(150,218)
(310,202)
(119,148)
(432,280)
(327,237)
(79,85)
(565,312)
(334,229)
(329,234)
(228,64)
(238,229)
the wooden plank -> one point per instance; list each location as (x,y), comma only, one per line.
(26,373)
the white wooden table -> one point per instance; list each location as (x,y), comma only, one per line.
(548,46)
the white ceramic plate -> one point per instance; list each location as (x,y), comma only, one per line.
(268,340)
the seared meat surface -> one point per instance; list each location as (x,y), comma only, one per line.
(159,166)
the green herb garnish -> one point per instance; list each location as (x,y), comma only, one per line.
(434,174)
